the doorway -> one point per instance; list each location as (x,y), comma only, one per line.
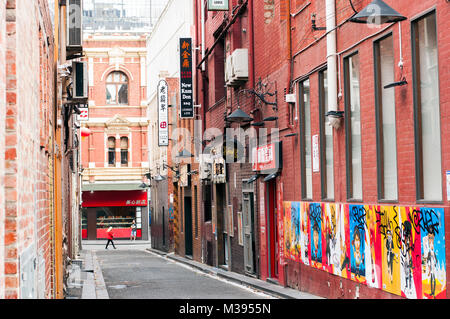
(272,229)
(249,237)
(188,226)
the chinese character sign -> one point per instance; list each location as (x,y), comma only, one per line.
(187,105)
(163,127)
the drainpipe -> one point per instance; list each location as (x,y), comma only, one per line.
(330,9)
(203,31)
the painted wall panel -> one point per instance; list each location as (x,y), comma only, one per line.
(397,249)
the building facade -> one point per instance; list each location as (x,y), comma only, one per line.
(166,140)
(114,155)
(347,185)
(35,224)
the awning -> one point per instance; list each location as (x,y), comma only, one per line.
(111,186)
(114,198)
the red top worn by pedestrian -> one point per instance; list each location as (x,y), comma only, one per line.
(110,235)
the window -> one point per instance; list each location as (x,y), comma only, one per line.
(111,151)
(305,140)
(124,151)
(219,70)
(385,119)
(326,140)
(426,109)
(117,88)
(353,127)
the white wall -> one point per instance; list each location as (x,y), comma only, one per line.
(163,56)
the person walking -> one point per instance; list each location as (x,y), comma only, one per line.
(133,230)
(110,238)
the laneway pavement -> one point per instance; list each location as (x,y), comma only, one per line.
(136,271)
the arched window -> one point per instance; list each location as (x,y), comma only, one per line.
(111,151)
(124,151)
(117,88)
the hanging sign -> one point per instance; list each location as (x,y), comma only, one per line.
(217,5)
(84,114)
(186,88)
(163,117)
(267,158)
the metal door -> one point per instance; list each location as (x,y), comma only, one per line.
(247,216)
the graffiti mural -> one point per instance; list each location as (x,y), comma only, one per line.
(400,250)
(315,218)
(433,252)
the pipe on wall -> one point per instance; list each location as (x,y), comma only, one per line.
(330,13)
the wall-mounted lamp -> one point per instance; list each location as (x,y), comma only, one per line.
(334,118)
(377,12)
(258,124)
(270,118)
(159,178)
(239,116)
(193,172)
(253,178)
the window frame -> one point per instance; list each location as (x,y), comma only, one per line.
(117,84)
(379,119)
(418,150)
(322,139)
(124,151)
(348,131)
(111,151)
(303,181)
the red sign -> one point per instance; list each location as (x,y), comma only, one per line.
(114,198)
(266,158)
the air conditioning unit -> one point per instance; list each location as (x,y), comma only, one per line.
(74,28)
(290,98)
(80,84)
(237,68)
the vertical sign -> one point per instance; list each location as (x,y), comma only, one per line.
(187,105)
(315,151)
(217,5)
(163,127)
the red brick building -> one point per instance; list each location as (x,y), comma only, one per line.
(115,154)
(27,148)
(358,207)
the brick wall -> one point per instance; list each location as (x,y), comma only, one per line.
(311,51)
(29,91)
(2,139)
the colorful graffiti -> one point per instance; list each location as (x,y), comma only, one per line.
(400,250)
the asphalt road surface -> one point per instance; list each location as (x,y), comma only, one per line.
(139,274)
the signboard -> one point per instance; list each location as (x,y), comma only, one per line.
(217,5)
(448,185)
(315,153)
(218,176)
(114,198)
(186,87)
(184,180)
(84,115)
(163,114)
(267,158)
